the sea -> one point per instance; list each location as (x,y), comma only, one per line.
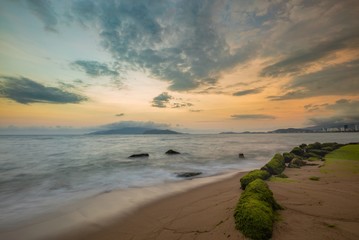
(39,174)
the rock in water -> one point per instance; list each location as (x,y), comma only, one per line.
(139,155)
(187,174)
(172,152)
(241,155)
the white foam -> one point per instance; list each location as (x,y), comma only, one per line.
(102,210)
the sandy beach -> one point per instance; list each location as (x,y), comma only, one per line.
(323,209)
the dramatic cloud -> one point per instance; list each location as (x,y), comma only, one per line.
(174,41)
(164,100)
(344,111)
(342,79)
(247,92)
(25,91)
(94,68)
(301,60)
(251,116)
(43,10)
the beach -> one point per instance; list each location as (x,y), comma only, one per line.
(322,209)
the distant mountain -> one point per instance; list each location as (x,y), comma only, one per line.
(160,131)
(134,130)
(292,130)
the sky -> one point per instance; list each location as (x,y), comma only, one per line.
(194,66)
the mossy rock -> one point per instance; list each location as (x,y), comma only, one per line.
(296,163)
(253,175)
(315,145)
(319,152)
(303,146)
(255,212)
(254,219)
(276,165)
(288,157)
(259,190)
(312,154)
(297,151)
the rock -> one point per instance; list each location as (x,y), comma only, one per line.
(172,152)
(241,155)
(296,163)
(298,151)
(141,155)
(288,157)
(187,174)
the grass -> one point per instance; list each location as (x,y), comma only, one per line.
(314,178)
(348,152)
(343,161)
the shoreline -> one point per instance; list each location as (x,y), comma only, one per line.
(105,209)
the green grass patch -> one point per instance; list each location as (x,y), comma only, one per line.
(276,165)
(348,152)
(255,212)
(282,175)
(314,178)
(253,175)
(343,161)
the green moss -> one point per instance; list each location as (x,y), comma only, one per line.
(314,178)
(259,190)
(254,219)
(255,212)
(313,159)
(319,152)
(298,151)
(276,165)
(315,145)
(288,157)
(253,175)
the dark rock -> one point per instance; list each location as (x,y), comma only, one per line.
(241,155)
(298,151)
(141,155)
(296,163)
(172,152)
(288,157)
(187,174)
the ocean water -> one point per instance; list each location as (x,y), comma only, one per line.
(41,173)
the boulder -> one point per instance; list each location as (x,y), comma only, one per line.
(276,165)
(288,157)
(172,152)
(140,155)
(241,155)
(187,174)
(298,151)
(296,163)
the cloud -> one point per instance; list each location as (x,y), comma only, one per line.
(252,116)
(119,115)
(164,100)
(25,91)
(43,10)
(94,68)
(161,100)
(344,111)
(342,79)
(299,61)
(248,91)
(174,41)
(127,124)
